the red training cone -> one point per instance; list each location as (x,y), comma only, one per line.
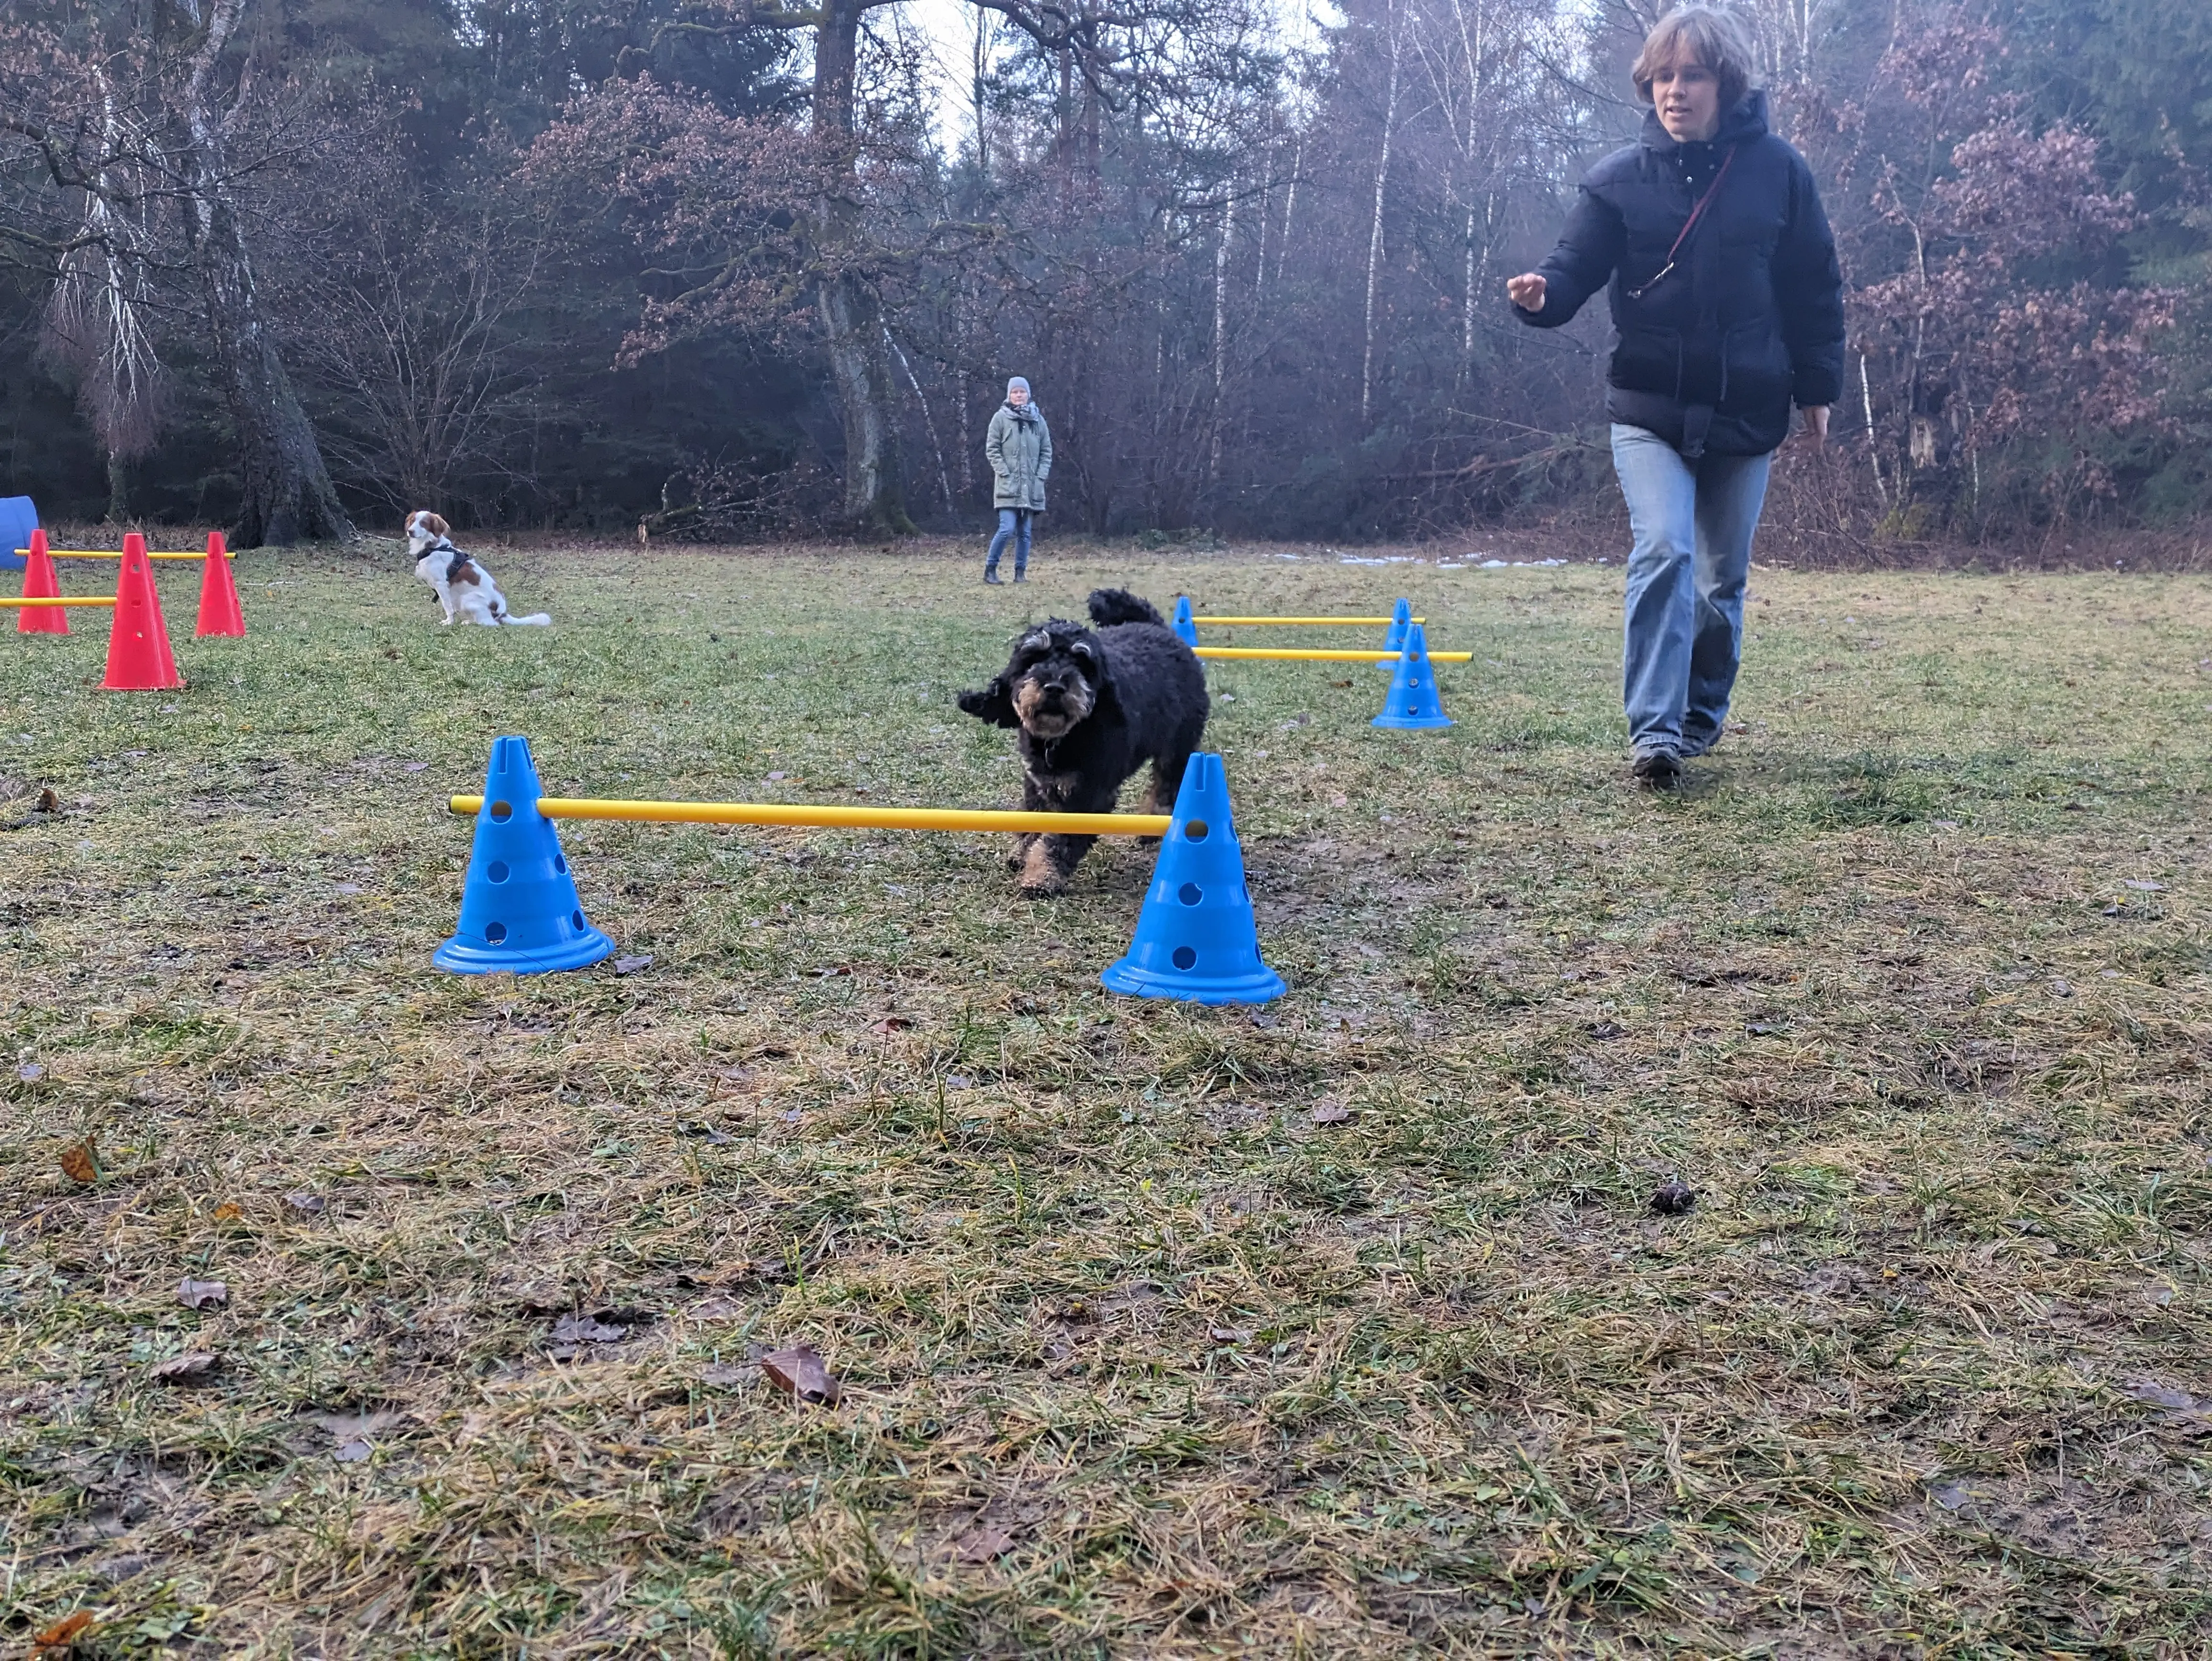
(39,583)
(219,612)
(138,656)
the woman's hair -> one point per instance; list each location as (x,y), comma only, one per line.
(1699,35)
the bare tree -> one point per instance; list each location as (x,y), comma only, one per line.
(98,311)
(286,494)
(416,358)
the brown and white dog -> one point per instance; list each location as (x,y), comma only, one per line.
(464,588)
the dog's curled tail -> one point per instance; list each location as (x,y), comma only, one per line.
(536,619)
(1111,605)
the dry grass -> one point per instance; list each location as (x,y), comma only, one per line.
(1139,1359)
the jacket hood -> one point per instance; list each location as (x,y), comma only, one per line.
(1746,121)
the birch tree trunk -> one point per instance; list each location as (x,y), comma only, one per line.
(1375,238)
(286,490)
(1221,330)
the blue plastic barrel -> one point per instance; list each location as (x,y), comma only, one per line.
(18,518)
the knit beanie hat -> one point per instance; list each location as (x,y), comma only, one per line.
(1017,380)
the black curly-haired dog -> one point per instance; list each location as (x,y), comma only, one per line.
(1093,706)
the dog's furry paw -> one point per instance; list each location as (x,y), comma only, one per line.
(993,704)
(1042,879)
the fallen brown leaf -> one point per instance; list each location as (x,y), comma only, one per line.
(201,1294)
(572,1330)
(306,1204)
(1673,1199)
(229,1212)
(889,1025)
(48,801)
(64,1632)
(194,1366)
(798,1372)
(633,964)
(81,1161)
(983,1542)
(1230,1335)
(1329,1110)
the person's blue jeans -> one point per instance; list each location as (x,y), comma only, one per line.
(1014,523)
(1693,521)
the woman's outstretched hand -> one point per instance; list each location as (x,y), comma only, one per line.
(1526,291)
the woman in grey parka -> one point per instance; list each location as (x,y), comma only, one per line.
(1019,449)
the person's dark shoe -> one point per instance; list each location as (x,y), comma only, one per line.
(994,579)
(1020,577)
(1698,744)
(1657,768)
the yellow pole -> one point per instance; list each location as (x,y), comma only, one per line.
(115,553)
(863,818)
(1379,622)
(1291,654)
(66,600)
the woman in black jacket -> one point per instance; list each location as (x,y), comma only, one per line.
(1729,304)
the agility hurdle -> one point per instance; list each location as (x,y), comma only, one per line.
(1299,622)
(1397,627)
(1195,939)
(146,662)
(829,818)
(1411,704)
(117,553)
(1296,655)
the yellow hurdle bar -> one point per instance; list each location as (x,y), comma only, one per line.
(858,818)
(66,600)
(1307,623)
(117,553)
(1293,655)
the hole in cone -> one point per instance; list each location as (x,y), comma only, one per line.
(1195,830)
(576,920)
(496,871)
(1185,957)
(495,932)
(1190,894)
(501,811)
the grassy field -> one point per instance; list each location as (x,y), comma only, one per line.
(1140,1355)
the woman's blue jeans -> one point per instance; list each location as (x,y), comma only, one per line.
(1013,522)
(1693,522)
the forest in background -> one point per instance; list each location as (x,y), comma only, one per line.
(729,269)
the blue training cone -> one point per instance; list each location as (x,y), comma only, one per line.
(1185,626)
(1393,639)
(1412,702)
(519,911)
(1195,939)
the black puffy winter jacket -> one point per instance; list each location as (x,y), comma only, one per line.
(1750,320)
